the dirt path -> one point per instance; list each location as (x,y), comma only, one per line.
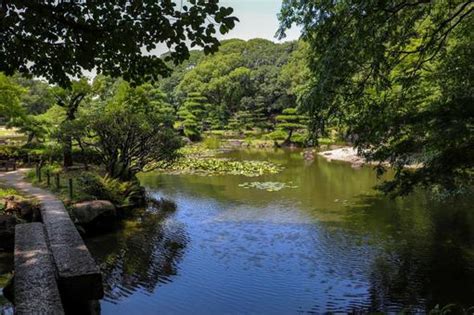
(16,179)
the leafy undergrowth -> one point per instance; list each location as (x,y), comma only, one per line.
(86,185)
(7,192)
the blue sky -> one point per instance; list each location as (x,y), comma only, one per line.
(258,18)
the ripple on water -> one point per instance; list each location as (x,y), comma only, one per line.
(215,256)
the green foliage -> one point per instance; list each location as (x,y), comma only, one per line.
(220,166)
(8,152)
(268,186)
(107,188)
(61,39)
(8,192)
(192,115)
(278,134)
(10,96)
(242,83)
(211,143)
(38,96)
(399,76)
(132,130)
(241,121)
(289,121)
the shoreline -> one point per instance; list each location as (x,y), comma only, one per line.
(344,154)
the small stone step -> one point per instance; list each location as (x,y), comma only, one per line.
(35,287)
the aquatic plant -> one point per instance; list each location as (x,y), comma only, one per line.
(220,166)
(268,186)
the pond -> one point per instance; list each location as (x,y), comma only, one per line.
(324,242)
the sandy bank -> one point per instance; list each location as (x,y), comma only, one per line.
(349,154)
(346,154)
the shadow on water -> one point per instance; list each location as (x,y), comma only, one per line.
(6,268)
(142,255)
(329,245)
(427,251)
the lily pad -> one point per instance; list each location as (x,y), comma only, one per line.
(268,186)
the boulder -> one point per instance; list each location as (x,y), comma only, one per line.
(7,231)
(94,212)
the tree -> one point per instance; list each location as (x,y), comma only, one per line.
(290,121)
(386,70)
(131,132)
(70,99)
(241,76)
(36,100)
(10,97)
(242,120)
(59,39)
(192,115)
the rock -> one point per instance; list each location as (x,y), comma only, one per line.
(94,212)
(7,231)
(24,209)
(186,140)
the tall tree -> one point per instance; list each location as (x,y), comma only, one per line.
(59,39)
(386,70)
(70,99)
(192,115)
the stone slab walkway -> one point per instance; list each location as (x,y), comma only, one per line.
(36,291)
(78,275)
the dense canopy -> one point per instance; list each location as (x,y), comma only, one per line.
(60,39)
(399,76)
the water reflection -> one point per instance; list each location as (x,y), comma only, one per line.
(427,252)
(331,245)
(6,268)
(143,255)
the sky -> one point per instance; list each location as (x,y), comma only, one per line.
(258,19)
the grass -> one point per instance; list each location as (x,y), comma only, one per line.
(6,191)
(63,190)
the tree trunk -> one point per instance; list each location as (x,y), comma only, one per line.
(31,136)
(287,141)
(67,151)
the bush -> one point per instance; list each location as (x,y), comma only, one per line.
(277,135)
(92,185)
(8,152)
(212,143)
(108,188)
(299,139)
(87,156)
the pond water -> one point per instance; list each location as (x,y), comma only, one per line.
(325,243)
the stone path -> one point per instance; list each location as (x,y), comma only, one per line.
(79,275)
(35,287)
